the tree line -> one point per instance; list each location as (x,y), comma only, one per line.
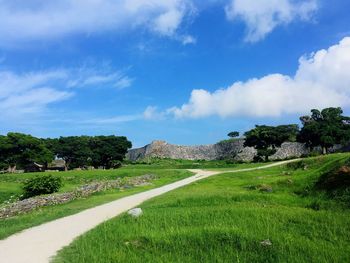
(324,129)
(20,151)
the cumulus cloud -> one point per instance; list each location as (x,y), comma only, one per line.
(32,92)
(263,16)
(322,80)
(38,19)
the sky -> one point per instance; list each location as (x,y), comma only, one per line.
(184,71)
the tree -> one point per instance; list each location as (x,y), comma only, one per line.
(21,150)
(51,144)
(4,163)
(265,139)
(325,128)
(74,150)
(108,150)
(233,134)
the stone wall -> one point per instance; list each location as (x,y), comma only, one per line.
(29,204)
(223,150)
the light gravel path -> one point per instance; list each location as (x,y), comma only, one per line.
(38,244)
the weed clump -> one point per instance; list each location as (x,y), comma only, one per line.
(299,165)
(265,188)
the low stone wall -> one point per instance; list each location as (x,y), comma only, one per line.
(27,205)
(223,150)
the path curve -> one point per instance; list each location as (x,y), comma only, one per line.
(39,244)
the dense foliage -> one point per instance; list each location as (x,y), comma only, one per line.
(325,128)
(21,150)
(24,151)
(265,139)
(41,185)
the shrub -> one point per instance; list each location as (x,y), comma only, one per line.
(47,184)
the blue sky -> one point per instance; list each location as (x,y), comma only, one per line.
(179,70)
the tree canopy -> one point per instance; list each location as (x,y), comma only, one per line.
(108,151)
(325,128)
(17,149)
(233,134)
(20,150)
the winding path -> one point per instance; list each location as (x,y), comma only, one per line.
(38,244)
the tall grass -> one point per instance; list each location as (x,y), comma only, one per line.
(225,218)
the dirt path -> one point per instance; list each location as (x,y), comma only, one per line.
(38,244)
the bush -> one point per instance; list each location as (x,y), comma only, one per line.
(47,184)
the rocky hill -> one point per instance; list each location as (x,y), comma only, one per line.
(223,150)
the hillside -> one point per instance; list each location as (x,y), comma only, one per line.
(295,213)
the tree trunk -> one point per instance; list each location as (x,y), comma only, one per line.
(66,165)
(324,150)
(11,169)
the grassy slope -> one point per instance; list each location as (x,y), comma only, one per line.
(11,185)
(221,219)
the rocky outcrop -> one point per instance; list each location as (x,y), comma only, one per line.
(231,149)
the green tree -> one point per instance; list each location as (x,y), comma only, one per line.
(108,150)
(325,128)
(233,134)
(4,162)
(74,150)
(51,144)
(265,139)
(21,150)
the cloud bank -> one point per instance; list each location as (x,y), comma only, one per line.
(263,16)
(322,80)
(42,19)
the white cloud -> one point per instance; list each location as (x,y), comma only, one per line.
(263,16)
(40,19)
(322,80)
(152,113)
(29,92)
(91,76)
(32,92)
(112,120)
(187,40)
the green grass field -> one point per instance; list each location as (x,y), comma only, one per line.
(10,185)
(226,217)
